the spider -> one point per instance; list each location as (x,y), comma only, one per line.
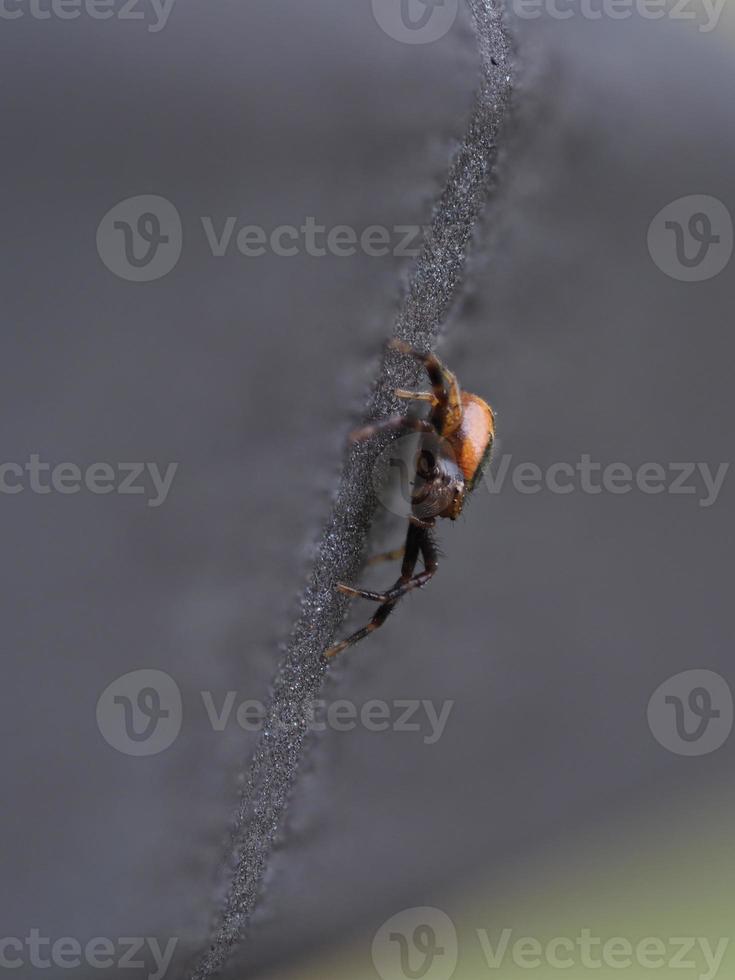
(455,446)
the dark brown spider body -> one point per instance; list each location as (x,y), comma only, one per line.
(457,440)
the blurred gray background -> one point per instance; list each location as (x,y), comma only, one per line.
(553,618)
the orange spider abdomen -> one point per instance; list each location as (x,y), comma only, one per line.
(473,440)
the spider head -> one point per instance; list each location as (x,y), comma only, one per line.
(439,489)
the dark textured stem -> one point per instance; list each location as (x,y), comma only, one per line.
(431,290)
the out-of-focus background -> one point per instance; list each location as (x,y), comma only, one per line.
(531,771)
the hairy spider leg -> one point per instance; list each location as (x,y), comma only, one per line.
(404,584)
(393,555)
(416,396)
(417,539)
(398,423)
(447,412)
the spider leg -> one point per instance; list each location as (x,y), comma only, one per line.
(393,555)
(404,584)
(418,396)
(397,423)
(447,413)
(378,619)
(410,557)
